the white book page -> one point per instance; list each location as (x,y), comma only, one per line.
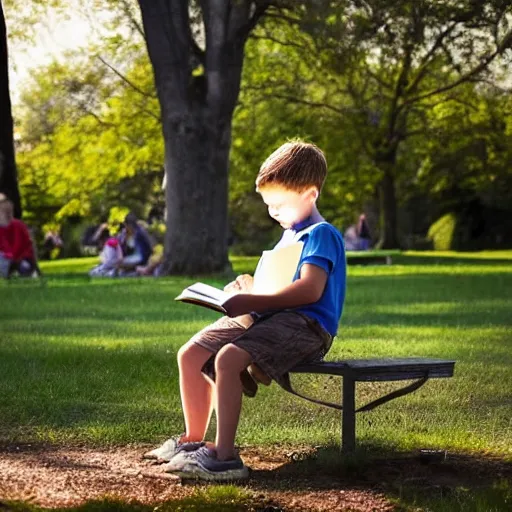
(207,292)
(276,269)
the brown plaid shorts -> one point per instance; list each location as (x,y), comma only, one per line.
(276,342)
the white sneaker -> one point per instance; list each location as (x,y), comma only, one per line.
(185,454)
(166,451)
(202,464)
(170,448)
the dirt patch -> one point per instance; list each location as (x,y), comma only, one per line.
(282,478)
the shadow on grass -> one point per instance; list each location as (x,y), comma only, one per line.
(460,482)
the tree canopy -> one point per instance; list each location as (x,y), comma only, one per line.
(407,99)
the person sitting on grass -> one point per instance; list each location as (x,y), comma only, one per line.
(292,326)
(110,256)
(16,247)
(136,246)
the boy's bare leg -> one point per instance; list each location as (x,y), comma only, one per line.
(229,363)
(196,390)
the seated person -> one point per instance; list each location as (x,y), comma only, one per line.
(363,233)
(153,267)
(51,245)
(136,245)
(16,248)
(111,255)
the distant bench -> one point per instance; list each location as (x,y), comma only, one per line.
(375,370)
(370,259)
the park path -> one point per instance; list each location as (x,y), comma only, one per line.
(62,477)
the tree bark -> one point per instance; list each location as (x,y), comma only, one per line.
(8,173)
(196,196)
(198,90)
(388,206)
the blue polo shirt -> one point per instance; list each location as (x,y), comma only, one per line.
(323,247)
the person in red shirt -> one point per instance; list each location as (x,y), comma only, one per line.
(16,248)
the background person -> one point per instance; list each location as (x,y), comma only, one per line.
(16,247)
(110,256)
(135,244)
(363,233)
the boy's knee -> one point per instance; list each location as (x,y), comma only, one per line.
(231,358)
(192,354)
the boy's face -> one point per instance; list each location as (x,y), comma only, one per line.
(288,207)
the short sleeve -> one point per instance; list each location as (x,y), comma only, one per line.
(322,248)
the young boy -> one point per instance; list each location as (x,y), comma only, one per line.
(292,326)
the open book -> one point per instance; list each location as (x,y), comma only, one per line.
(205,295)
(276,270)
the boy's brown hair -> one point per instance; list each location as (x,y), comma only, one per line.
(296,165)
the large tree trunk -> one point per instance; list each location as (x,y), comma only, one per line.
(198,90)
(388,213)
(8,174)
(196,195)
(386,162)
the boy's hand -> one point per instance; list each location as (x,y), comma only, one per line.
(245,281)
(239,304)
(242,284)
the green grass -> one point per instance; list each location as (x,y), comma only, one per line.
(220,498)
(93,361)
(496,498)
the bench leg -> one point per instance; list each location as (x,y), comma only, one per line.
(348,426)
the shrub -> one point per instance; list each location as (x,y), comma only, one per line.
(442,232)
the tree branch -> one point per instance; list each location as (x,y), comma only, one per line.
(423,66)
(135,24)
(267,37)
(505,44)
(378,79)
(126,80)
(301,101)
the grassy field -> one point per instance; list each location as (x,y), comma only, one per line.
(93,361)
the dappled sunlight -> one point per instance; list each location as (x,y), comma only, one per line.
(476,255)
(95,360)
(429,269)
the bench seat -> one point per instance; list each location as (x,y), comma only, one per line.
(376,370)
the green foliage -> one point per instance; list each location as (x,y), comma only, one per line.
(442,232)
(95,147)
(91,139)
(467,154)
(268,116)
(117,215)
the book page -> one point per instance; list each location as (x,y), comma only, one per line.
(204,295)
(277,268)
(209,292)
(200,300)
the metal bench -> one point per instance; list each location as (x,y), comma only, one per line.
(374,370)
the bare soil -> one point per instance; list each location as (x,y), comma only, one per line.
(283,478)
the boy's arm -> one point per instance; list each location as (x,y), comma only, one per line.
(305,290)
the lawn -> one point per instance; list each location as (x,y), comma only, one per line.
(93,361)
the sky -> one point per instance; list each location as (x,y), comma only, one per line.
(54,35)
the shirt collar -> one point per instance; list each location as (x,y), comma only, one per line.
(308,221)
